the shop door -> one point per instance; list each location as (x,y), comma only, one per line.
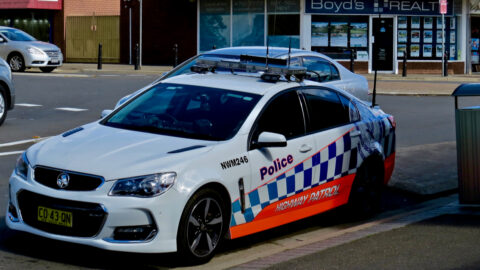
(383,44)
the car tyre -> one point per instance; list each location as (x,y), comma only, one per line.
(3,105)
(202,227)
(16,62)
(47,69)
(366,193)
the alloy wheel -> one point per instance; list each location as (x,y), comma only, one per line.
(205,225)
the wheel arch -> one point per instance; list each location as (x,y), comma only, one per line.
(375,160)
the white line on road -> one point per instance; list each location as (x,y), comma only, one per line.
(11,153)
(109,75)
(71,109)
(53,75)
(27,105)
(22,142)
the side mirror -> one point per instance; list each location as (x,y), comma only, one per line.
(269,139)
(105,113)
(2,40)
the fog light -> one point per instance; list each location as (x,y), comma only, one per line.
(134,233)
(12,213)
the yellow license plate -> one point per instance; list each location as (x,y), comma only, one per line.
(54,216)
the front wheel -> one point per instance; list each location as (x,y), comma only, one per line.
(47,69)
(3,106)
(16,62)
(202,226)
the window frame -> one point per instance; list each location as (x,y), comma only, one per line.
(253,135)
(330,63)
(307,112)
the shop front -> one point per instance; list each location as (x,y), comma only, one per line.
(380,33)
(35,17)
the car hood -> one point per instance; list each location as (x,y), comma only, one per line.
(45,46)
(114,153)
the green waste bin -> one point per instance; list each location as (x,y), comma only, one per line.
(467,122)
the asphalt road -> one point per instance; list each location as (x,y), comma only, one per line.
(421,120)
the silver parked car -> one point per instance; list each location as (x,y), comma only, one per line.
(7,91)
(321,67)
(23,51)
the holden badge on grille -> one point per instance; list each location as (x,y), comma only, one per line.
(63,180)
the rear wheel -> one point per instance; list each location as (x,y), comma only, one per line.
(16,62)
(3,105)
(366,193)
(47,69)
(202,226)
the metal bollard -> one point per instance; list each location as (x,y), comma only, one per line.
(404,68)
(352,60)
(175,52)
(137,57)
(99,64)
(445,65)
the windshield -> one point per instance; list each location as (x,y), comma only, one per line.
(186,111)
(16,35)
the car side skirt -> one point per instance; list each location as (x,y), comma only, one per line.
(305,204)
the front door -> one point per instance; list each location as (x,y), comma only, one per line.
(382,44)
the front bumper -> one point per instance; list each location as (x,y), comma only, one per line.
(110,213)
(45,60)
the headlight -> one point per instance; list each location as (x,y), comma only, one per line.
(33,50)
(21,169)
(144,186)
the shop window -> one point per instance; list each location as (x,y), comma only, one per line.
(337,36)
(214,24)
(421,37)
(283,23)
(248,27)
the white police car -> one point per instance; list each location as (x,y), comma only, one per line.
(200,157)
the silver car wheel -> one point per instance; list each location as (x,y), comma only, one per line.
(16,63)
(205,226)
(2,105)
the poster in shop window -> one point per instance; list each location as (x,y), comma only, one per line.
(427,23)
(339,34)
(452,37)
(452,23)
(415,23)
(439,36)
(427,36)
(402,36)
(427,50)
(452,52)
(439,23)
(320,34)
(358,34)
(438,50)
(415,36)
(402,22)
(401,49)
(415,50)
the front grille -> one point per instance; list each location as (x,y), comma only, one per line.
(52,53)
(78,181)
(87,221)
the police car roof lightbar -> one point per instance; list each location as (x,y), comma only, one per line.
(251,64)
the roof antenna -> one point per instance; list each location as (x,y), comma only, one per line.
(289,51)
(266,61)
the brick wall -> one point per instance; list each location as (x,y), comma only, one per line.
(91,7)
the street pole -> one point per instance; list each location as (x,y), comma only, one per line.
(141,30)
(130,35)
(443,44)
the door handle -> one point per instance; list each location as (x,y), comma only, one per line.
(305,148)
(355,133)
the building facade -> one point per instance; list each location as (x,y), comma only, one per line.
(411,28)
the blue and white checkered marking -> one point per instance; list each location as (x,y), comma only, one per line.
(339,159)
